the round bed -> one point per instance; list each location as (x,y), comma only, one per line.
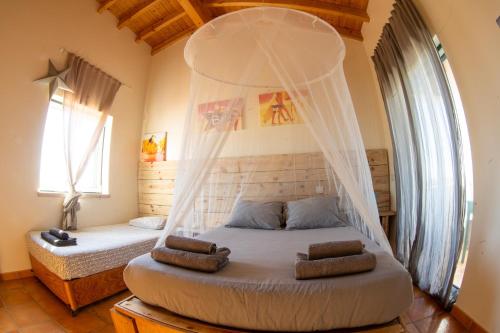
(258,290)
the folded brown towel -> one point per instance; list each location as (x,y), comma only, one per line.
(311,269)
(190,244)
(209,263)
(48,237)
(335,249)
(59,233)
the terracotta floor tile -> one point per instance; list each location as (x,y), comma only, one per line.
(103,313)
(9,285)
(106,329)
(48,327)
(38,294)
(54,307)
(6,322)
(84,322)
(404,318)
(33,284)
(442,323)
(29,280)
(423,307)
(417,293)
(101,308)
(410,328)
(15,297)
(27,314)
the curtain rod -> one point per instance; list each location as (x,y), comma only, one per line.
(64,50)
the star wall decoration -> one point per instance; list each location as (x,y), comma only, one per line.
(55,80)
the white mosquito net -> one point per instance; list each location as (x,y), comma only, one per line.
(270,117)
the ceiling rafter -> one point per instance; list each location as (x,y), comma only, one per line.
(196,11)
(171,40)
(146,20)
(349,33)
(159,25)
(308,6)
(105,5)
(136,13)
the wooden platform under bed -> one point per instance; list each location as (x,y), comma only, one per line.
(133,316)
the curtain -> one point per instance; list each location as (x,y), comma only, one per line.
(294,60)
(85,111)
(427,151)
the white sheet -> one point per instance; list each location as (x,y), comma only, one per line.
(99,249)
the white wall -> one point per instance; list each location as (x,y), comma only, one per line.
(167,98)
(31,32)
(471,39)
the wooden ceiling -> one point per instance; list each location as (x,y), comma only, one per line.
(161,22)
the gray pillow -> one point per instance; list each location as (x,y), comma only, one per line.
(312,213)
(256,215)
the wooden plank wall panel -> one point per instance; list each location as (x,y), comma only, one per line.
(282,177)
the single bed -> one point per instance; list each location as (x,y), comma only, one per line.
(93,269)
(258,291)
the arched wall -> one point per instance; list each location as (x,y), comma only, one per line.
(471,39)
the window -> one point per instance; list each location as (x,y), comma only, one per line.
(53,174)
(466,161)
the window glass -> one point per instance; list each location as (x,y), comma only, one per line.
(53,174)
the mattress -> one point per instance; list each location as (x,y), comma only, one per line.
(258,290)
(99,249)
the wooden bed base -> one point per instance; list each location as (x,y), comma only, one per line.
(133,316)
(77,293)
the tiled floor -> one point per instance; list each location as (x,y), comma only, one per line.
(426,316)
(26,306)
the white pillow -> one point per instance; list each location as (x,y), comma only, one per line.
(148,222)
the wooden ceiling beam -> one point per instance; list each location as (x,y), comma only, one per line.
(196,11)
(158,25)
(349,33)
(307,6)
(171,40)
(136,13)
(105,5)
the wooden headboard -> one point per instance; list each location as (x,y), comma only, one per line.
(293,176)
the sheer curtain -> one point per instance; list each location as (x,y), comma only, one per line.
(426,140)
(87,106)
(266,50)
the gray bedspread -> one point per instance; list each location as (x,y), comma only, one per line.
(257,290)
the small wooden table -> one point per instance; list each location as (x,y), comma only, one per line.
(384,220)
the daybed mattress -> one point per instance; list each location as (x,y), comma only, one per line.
(99,249)
(258,290)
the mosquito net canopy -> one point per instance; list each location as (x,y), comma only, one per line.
(270,117)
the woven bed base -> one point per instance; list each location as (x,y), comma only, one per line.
(77,293)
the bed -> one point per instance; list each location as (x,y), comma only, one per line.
(92,270)
(258,291)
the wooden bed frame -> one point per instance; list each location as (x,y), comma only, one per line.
(79,292)
(133,316)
